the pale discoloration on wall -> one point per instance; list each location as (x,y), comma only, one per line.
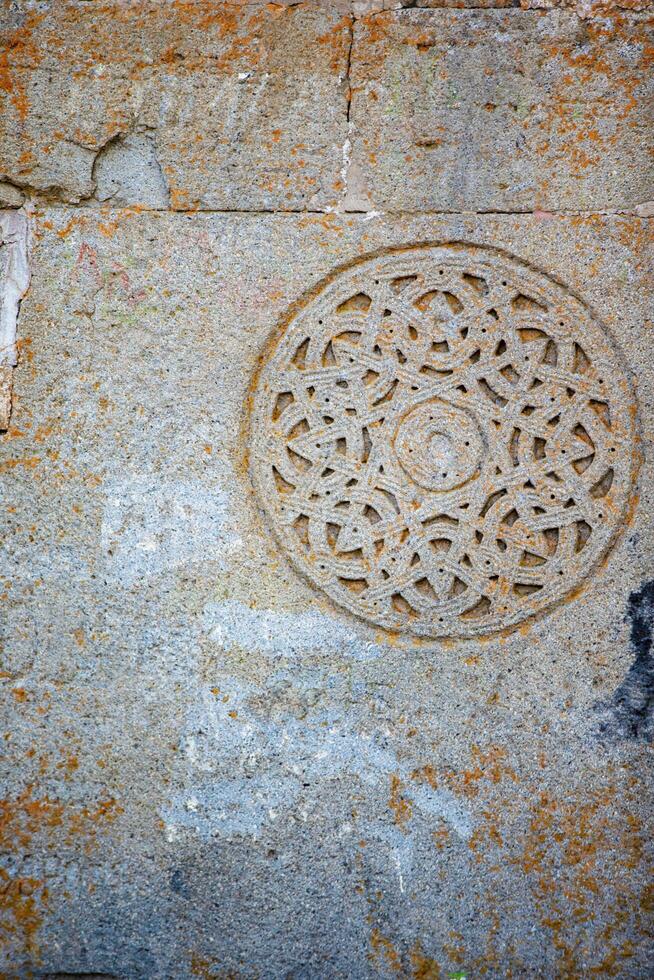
(149,526)
(279,757)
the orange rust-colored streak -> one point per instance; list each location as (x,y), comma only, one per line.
(400,805)
(423,967)
(24,821)
(383,949)
(22,902)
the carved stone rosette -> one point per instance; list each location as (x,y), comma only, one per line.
(442,439)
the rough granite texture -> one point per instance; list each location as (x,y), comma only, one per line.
(209,769)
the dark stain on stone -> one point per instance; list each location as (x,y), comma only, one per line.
(631,706)
(178,883)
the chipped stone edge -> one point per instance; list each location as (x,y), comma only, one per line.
(14,236)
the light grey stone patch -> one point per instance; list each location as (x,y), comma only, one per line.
(271,762)
(281,634)
(443,804)
(150,526)
(15,278)
(14,282)
(10,196)
(400,852)
(127,171)
(231,807)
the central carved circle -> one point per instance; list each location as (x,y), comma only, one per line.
(439,445)
(442,440)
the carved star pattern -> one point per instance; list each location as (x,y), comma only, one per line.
(479,345)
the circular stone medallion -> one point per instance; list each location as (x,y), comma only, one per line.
(442,439)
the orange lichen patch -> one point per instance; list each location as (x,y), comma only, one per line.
(401,806)
(423,967)
(647,900)
(109,228)
(13,432)
(69,765)
(21,907)
(377,26)
(19,694)
(29,462)
(203,967)
(455,948)
(383,949)
(18,51)
(337,38)
(483,835)
(44,430)
(489,766)
(635,234)
(426,774)
(581,854)
(23,819)
(68,228)
(412,963)
(79,636)
(574,120)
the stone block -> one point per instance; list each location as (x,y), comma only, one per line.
(210,106)
(500,110)
(207,751)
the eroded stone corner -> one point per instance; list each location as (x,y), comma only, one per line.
(14,281)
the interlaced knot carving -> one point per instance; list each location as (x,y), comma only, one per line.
(442,439)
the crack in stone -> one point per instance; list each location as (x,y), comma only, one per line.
(103,207)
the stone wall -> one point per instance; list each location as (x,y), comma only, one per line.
(326,571)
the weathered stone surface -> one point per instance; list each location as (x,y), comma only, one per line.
(212,765)
(234,106)
(212,769)
(501,110)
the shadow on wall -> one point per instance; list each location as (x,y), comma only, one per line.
(630,710)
